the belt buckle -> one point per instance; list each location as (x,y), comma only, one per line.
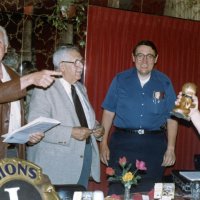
(141,131)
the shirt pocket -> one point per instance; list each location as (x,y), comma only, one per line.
(158,102)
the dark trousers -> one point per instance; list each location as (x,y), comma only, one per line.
(149,148)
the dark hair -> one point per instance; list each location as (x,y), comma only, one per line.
(146,43)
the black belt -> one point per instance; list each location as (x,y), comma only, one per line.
(138,131)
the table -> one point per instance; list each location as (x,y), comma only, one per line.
(179,195)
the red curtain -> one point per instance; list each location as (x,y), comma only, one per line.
(112,34)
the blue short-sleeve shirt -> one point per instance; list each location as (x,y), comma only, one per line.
(138,107)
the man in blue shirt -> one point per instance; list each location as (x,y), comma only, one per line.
(138,104)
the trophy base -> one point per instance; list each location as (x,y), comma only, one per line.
(180,115)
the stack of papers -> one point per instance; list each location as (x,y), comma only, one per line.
(21,135)
(191,175)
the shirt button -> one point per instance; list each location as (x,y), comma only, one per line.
(142,104)
(141,115)
(81,156)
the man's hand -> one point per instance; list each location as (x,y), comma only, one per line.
(35,138)
(42,78)
(98,131)
(104,153)
(81,133)
(194,106)
(169,158)
(178,100)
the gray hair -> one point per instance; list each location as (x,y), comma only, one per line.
(60,54)
(5,36)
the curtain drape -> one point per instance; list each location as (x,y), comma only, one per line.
(112,34)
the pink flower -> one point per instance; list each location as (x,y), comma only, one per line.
(122,161)
(110,171)
(140,165)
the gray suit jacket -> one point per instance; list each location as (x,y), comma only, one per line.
(59,155)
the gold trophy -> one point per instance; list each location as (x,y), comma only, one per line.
(183,109)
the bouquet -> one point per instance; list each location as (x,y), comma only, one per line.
(127,177)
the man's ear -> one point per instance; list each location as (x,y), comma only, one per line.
(61,68)
(133,57)
(156,59)
(6,49)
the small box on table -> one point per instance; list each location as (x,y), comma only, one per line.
(164,191)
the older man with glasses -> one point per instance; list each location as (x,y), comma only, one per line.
(138,103)
(68,153)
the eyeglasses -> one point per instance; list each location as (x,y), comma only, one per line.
(77,63)
(149,57)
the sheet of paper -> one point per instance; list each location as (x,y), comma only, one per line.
(191,175)
(21,135)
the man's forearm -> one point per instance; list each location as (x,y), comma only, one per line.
(25,81)
(107,120)
(172,128)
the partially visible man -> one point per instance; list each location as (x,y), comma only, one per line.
(12,89)
(68,153)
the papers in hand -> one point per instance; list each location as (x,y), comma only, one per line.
(191,175)
(21,135)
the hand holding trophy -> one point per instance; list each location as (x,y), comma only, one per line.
(182,109)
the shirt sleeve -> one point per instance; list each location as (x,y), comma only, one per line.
(110,101)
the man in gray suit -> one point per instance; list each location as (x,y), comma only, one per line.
(63,154)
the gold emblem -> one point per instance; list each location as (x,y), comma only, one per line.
(22,180)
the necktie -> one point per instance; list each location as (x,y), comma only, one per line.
(79,110)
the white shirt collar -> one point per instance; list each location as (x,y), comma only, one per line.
(5,74)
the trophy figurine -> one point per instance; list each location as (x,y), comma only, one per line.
(183,109)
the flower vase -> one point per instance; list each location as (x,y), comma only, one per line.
(127,193)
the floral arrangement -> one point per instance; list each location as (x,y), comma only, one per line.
(127,177)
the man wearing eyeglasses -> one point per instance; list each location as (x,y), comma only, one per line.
(138,104)
(68,153)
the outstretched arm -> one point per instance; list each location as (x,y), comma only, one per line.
(15,89)
(42,78)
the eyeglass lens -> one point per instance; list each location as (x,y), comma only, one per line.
(79,63)
(141,56)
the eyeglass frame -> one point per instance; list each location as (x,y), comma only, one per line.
(82,61)
(149,57)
